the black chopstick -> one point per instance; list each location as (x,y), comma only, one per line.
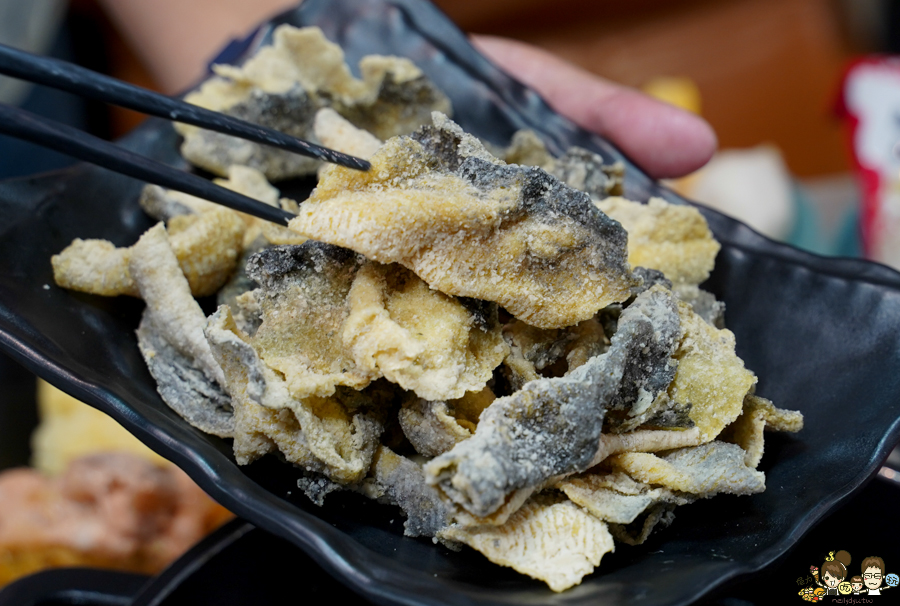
(73,142)
(85,83)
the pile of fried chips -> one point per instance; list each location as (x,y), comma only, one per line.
(519,359)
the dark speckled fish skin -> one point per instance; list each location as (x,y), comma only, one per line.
(183,386)
(277,267)
(544,198)
(291,112)
(552,426)
(547,200)
(586,171)
(543,195)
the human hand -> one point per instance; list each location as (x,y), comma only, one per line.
(662,139)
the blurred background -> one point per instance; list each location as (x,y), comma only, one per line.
(767,74)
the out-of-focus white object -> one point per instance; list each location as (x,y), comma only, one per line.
(29,25)
(752,185)
(871,102)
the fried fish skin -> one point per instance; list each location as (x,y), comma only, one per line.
(553,426)
(469,225)
(421,339)
(674,239)
(285,84)
(207,249)
(553,541)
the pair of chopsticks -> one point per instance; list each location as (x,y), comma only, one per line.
(73,142)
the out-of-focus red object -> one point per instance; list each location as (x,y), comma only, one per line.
(870,103)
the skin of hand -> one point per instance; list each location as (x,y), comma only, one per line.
(662,139)
(176,38)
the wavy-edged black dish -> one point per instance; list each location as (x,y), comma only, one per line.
(822,335)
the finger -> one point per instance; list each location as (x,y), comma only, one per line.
(664,140)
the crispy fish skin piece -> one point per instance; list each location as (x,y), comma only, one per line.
(527,149)
(94,266)
(176,314)
(704,470)
(184,387)
(421,339)
(303,306)
(584,170)
(284,85)
(166,205)
(439,204)
(337,133)
(553,541)
(710,379)
(672,238)
(645,440)
(552,427)
(601,499)
(578,167)
(207,250)
(320,434)
(702,302)
(290,112)
(163,204)
(403,483)
(535,349)
(616,496)
(434,427)
(402,98)
(758,415)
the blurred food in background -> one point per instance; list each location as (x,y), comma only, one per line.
(766,74)
(96,496)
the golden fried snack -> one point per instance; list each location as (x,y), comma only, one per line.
(645,440)
(439,204)
(170,338)
(168,205)
(163,204)
(578,167)
(704,470)
(337,133)
(421,339)
(710,380)
(527,149)
(303,307)
(554,541)
(619,501)
(207,248)
(321,434)
(585,171)
(165,289)
(535,349)
(94,266)
(284,85)
(553,426)
(671,238)
(280,235)
(758,415)
(435,427)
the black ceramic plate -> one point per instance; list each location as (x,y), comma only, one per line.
(822,335)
